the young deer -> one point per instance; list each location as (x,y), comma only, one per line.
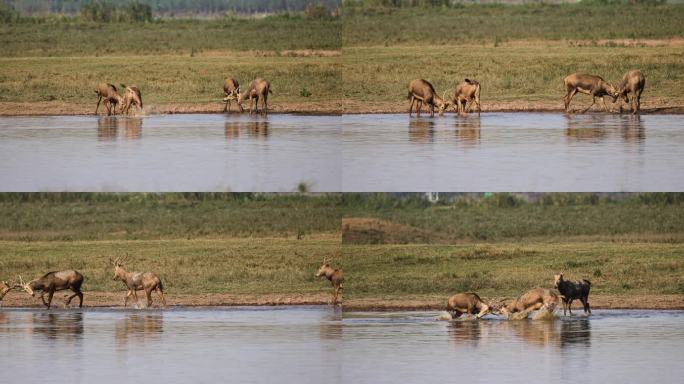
(138,281)
(334,276)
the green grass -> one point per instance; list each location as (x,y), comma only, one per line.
(227,265)
(640,218)
(133,216)
(508,269)
(489,23)
(507,73)
(60,36)
(166,79)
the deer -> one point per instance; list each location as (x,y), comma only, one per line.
(5,287)
(335,276)
(591,85)
(52,282)
(231,88)
(258,89)
(467,303)
(421,91)
(532,300)
(467,92)
(571,290)
(138,281)
(132,96)
(110,94)
(634,82)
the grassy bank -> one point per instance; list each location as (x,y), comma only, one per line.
(382,218)
(508,269)
(481,24)
(227,265)
(514,73)
(61,36)
(133,216)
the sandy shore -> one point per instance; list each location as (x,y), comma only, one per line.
(115,299)
(334,107)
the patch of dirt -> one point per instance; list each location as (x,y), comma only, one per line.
(376,231)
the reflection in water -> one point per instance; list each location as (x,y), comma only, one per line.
(253,129)
(108,127)
(139,328)
(330,327)
(557,333)
(599,127)
(421,130)
(54,326)
(468,130)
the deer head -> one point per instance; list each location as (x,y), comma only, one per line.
(323,269)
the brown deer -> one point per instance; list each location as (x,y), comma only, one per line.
(258,89)
(634,82)
(467,303)
(132,96)
(52,282)
(571,290)
(467,92)
(532,300)
(111,97)
(138,281)
(421,91)
(5,287)
(335,276)
(591,85)
(231,88)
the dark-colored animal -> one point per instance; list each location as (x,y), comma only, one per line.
(138,281)
(52,282)
(467,93)
(132,96)
(467,303)
(632,82)
(591,85)
(421,91)
(258,89)
(335,276)
(571,290)
(231,89)
(110,95)
(5,287)
(532,300)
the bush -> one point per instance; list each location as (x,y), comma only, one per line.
(7,13)
(316,11)
(103,11)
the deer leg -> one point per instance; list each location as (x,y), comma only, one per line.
(638,101)
(419,106)
(570,306)
(413,99)
(266,104)
(98,104)
(593,101)
(568,98)
(130,292)
(49,302)
(161,296)
(135,297)
(148,293)
(603,101)
(479,107)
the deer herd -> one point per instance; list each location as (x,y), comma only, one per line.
(468,303)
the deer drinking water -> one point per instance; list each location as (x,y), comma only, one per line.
(591,85)
(132,96)
(335,277)
(55,281)
(111,97)
(138,281)
(632,82)
(231,88)
(258,89)
(467,303)
(421,91)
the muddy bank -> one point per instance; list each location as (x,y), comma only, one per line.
(115,299)
(334,107)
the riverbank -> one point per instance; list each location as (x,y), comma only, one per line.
(428,303)
(659,106)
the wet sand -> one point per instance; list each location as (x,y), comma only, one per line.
(115,299)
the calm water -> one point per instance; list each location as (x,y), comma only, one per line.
(513,152)
(320,344)
(170,153)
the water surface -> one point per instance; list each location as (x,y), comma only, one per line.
(535,152)
(323,345)
(170,153)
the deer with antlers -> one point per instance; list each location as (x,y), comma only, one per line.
(138,281)
(5,287)
(52,282)
(333,275)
